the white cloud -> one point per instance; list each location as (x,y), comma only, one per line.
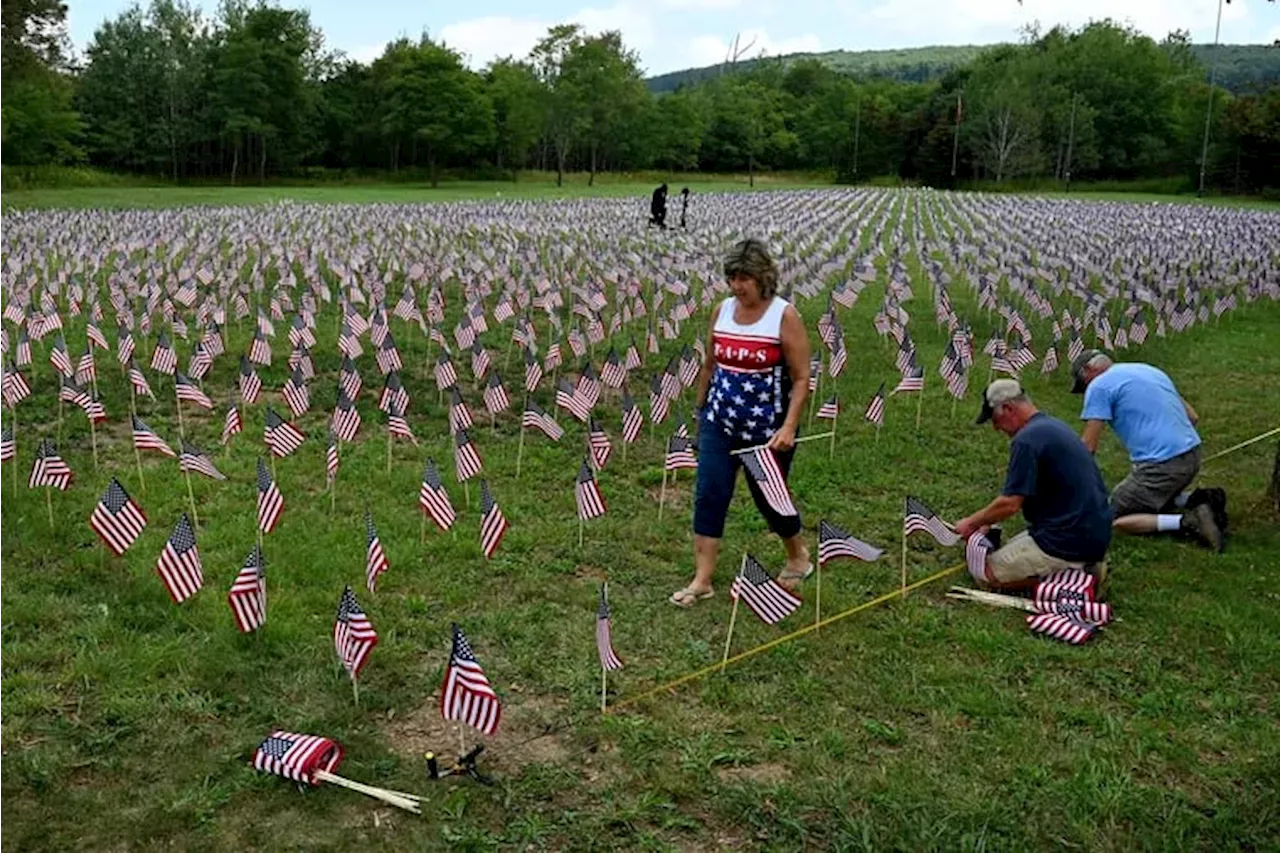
(482,40)
(365,53)
(701,5)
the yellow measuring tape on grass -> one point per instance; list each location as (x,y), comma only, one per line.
(1244,443)
(707,670)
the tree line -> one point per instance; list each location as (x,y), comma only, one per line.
(253,93)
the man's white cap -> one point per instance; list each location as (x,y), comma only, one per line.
(999,391)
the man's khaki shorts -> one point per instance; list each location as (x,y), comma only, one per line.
(1020,559)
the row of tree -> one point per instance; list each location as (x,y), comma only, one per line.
(254,93)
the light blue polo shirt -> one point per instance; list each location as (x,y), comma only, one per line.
(1144,409)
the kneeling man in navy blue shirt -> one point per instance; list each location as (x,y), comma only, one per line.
(1056,485)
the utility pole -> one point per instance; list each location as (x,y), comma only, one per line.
(955,142)
(1208,113)
(1071,138)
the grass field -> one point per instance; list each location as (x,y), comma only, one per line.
(919,724)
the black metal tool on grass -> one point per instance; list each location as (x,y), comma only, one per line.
(464,766)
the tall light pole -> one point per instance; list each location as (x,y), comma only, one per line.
(1208,113)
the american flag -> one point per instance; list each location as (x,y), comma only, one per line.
(1020,356)
(346,418)
(830,410)
(16,388)
(919,518)
(609,659)
(588,389)
(201,362)
(479,360)
(189,391)
(1069,629)
(632,360)
(669,382)
(353,634)
(495,396)
(553,358)
(492,522)
(393,394)
(60,359)
(331,459)
(397,426)
(600,445)
(1075,347)
(459,413)
(433,498)
(8,447)
(839,358)
(145,438)
(270,501)
(534,416)
(179,564)
(231,424)
(446,375)
(577,343)
(958,381)
(295,393)
(815,372)
(49,469)
(86,372)
(1050,363)
(23,353)
(260,350)
(194,460)
(466,695)
(679,454)
(912,380)
(281,436)
(349,379)
(77,396)
(466,458)
(632,419)
(567,398)
(587,493)
(349,341)
(762,467)
(753,585)
(248,595)
(906,357)
(116,519)
(532,371)
(299,334)
(976,548)
(836,542)
(659,403)
(387,356)
(250,384)
(688,367)
(613,374)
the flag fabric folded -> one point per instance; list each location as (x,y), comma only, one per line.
(248,595)
(297,757)
(116,519)
(466,695)
(609,659)
(761,593)
(919,518)
(353,634)
(834,542)
(179,565)
(976,548)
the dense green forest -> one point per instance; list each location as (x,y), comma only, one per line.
(1242,68)
(253,94)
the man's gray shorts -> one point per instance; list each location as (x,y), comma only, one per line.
(1152,486)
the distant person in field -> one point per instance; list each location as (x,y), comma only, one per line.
(1056,485)
(1157,426)
(751,391)
(658,207)
(684,206)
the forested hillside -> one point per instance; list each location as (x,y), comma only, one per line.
(1241,67)
(252,94)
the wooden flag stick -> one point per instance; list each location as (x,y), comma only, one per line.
(877,433)
(919,406)
(137,456)
(422,529)
(799,440)
(520,445)
(195,517)
(581,525)
(333,486)
(48,502)
(604,689)
(14,464)
(466,493)
(396,799)
(733,617)
(834,423)
(355,689)
(59,419)
(662,496)
(388,451)
(182,433)
(904,564)
(93,439)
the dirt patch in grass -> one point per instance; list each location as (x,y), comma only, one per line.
(531,732)
(760,774)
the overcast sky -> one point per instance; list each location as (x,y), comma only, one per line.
(673,34)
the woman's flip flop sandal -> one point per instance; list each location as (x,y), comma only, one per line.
(687,597)
(798,578)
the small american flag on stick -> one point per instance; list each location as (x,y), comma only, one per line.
(353,634)
(297,757)
(116,519)
(49,469)
(679,454)
(466,695)
(270,501)
(346,418)
(145,438)
(609,659)
(467,462)
(250,384)
(331,459)
(762,467)
(493,525)
(194,460)
(587,493)
(834,542)
(376,559)
(433,498)
(189,391)
(919,518)
(231,424)
(875,408)
(760,592)
(830,410)
(248,595)
(632,419)
(8,447)
(179,565)
(535,416)
(281,436)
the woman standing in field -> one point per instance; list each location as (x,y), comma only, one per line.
(751,391)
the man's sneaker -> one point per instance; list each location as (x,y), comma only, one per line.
(1216,499)
(1199,522)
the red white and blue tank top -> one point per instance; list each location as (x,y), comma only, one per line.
(751,386)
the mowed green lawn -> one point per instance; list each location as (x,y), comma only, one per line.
(920,724)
